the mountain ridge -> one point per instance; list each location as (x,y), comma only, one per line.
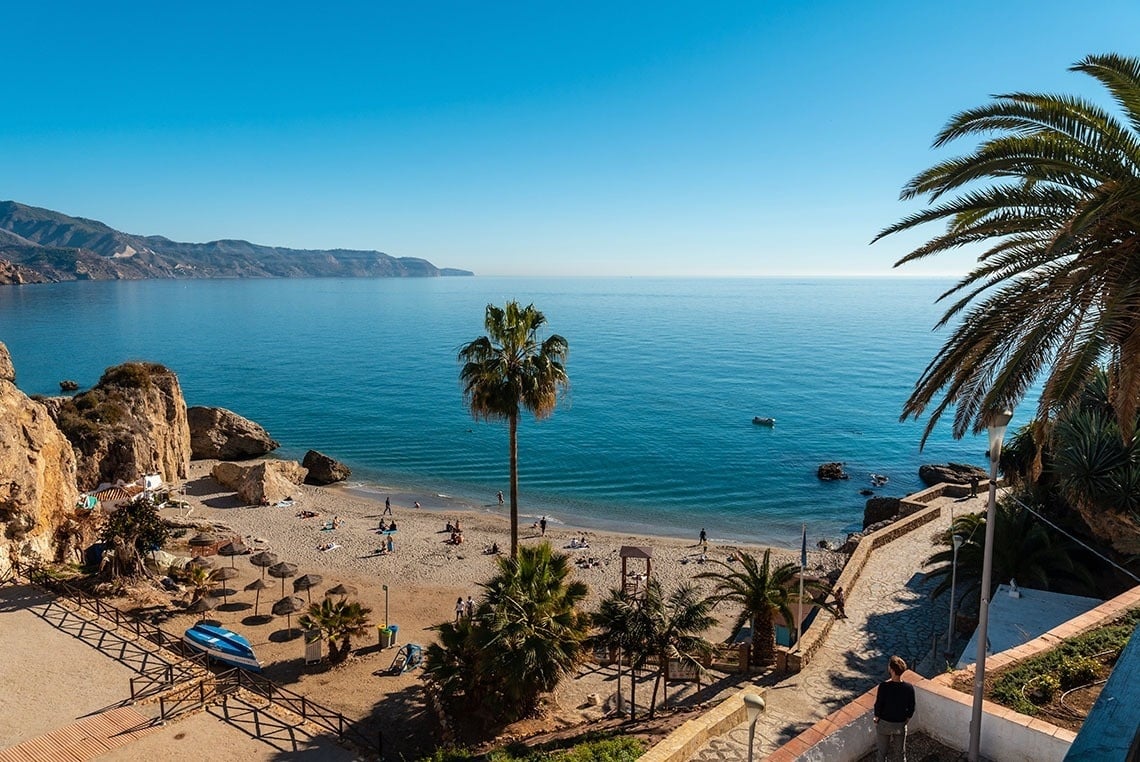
(45,246)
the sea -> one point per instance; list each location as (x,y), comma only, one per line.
(655,435)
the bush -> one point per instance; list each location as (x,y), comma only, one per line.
(132,375)
(1042,689)
(1078,670)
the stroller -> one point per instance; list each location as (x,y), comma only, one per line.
(408,657)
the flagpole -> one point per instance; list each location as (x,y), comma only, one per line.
(803,566)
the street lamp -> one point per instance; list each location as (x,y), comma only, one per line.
(998,424)
(754,705)
(957,540)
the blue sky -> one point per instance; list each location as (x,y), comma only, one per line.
(732,138)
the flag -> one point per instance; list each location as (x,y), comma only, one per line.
(803,550)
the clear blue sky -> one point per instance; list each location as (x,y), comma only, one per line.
(612,138)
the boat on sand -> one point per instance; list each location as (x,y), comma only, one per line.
(224,645)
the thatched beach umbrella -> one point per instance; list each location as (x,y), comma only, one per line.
(258,585)
(282,571)
(202,540)
(200,561)
(231,549)
(287,607)
(307,582)
(342,590)
(264,559)
(221,575)
(202,605)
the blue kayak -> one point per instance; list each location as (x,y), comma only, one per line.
(222,644)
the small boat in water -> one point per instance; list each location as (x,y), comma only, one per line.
(222,644)
(879,480)
(764,421)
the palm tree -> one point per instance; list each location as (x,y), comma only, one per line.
(762,592)
(1053,193)
(1023,550)
(675,623)
(616,618)
(534,629)
(337,620)
(510,369)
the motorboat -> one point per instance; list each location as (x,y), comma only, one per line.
(224,645)
(879,480)
(764,421)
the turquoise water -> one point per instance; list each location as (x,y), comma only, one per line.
(655,437)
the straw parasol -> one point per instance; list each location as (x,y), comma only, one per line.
(202,605)
(342,590)
(282,571)
(201,561)
(287,607)
(221,575)
(231,549)
(258,585)
(264,559)
(307,582)
(202,540)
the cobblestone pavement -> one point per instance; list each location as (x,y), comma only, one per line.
(889,612)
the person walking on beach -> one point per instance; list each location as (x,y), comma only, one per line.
(470,608)
(542,526)
(500,497)
(391,544)
(704,538)
(387,506)
(840,600)
(974,486)
(459,608)
(894,706)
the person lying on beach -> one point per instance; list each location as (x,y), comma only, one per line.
(328,546)
(307,514)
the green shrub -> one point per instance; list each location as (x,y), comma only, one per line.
(132,375)
(622,749)
(1078,670)
(1042,689)
(448,755)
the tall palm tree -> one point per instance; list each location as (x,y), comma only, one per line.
(510,369)
(762,592)
(675,623)
(1053,194)
(1023,550)
(337,620)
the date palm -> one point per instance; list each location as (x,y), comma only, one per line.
(675,623)
(1052,194)
(509,370)
(337,620)
(762,592)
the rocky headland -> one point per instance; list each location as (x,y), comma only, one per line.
(43,246)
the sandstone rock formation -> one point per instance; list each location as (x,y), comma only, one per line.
(133,422)
(951,473)
(37,473)
(266,481)
(323,469)
(831,471)
(880,509)
(219,433)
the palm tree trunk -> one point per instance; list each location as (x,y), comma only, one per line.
(632,693)
(764,634)
(621,665)
(656,686)
(514,457)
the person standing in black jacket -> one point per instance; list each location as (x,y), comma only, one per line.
(894,706)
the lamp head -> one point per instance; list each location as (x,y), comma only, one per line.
(957,540)
(754,705)
(996,428)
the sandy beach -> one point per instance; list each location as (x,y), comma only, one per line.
(425,575)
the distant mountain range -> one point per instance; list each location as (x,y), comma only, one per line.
(42,246)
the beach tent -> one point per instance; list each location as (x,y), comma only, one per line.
(633,551)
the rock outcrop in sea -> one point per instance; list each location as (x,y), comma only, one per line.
(37,489)
(324,469)
(933,474)
(880,509)
(223,434)
(263,482)
(831,472)
(132,422)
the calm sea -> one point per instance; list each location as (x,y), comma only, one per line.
(656,436)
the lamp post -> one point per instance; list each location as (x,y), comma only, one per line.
(998,424)
(754,705)
(957,540)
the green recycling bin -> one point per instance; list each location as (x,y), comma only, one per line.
(387,635)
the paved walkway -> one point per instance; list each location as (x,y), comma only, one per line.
(889,612)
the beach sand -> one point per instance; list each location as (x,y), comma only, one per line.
(424,576)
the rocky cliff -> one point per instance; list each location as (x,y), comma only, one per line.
(219,433)
(132,422)
(41,245)
(37,473)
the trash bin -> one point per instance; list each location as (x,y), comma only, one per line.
(387,635)
(394,629)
